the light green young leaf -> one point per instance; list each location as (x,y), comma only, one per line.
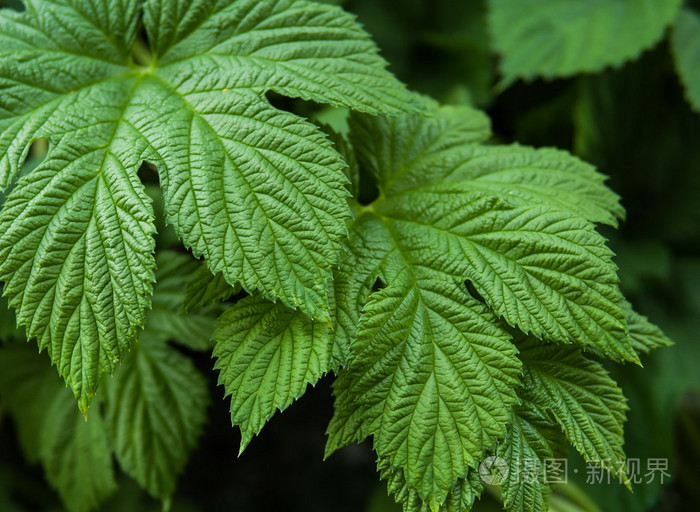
(155,411)
(685,43)
(267,354)
(532,440)
(76,454)
(257,191)
(583,399)
(560,38)
(644,335)
(205,289)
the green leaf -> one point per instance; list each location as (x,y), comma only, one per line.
(560,38)
(296,48)
(76,243)
(267,354)
(543,271)
(533,442)
(155,411)
(583,399)
(76,454)
(444,152)
(685,43)
(259,192)
(431,376)
(644,335)
(204,289)
(166,321)
(514,221)
(460,235)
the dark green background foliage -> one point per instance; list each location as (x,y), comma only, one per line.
(634,114)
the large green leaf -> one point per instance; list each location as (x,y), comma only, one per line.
(433,371)
(257,191)
(559,38)
(76,242)
(431,378)
(685,42)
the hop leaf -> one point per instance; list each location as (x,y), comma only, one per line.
(258,192)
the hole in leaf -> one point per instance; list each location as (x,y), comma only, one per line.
(378,285)
(368,189)
(15,5)
(148,174)
(471,289)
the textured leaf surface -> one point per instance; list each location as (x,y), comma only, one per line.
(512,220)
(444,152)
(155,410)
(258,192)
(532,445)
(530,264)
(461,234)
(267,354)
(76,244)
(397,162)
(582,397)
(431,376)
(558,38)
(685,42)
(460,499)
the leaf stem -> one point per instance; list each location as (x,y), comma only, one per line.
(141,54)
